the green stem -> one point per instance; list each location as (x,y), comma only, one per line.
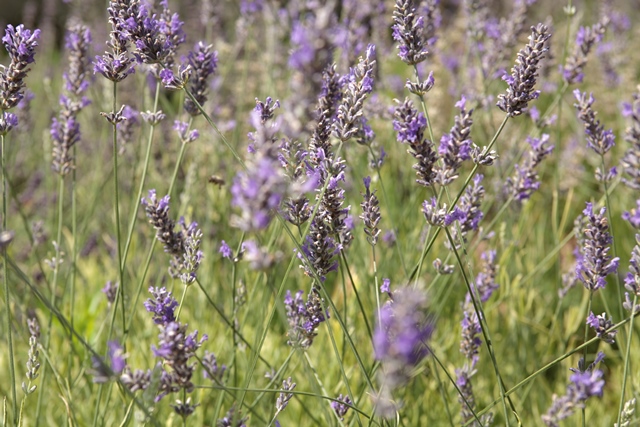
(54,287)
(626,358)
(5,279)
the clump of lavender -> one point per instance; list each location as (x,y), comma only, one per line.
(203,61)
(370,213)
(360,84)
(341,406)
(598,139)
(410,127)
(601,325)
(260,189)
(410,32)
(455,146)
(525,180)
(595,263)
(630,162)
(65,130)
(584,384)
(586,39)
(400,341)
(483,287)
(524,73)
(304,317)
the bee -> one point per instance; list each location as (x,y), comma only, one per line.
(217,180)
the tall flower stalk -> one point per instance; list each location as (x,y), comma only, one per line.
(20,44)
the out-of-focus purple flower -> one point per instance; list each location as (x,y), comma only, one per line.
(598,139)
(102,372)
(525,180)
(225,250)
(596,263)
(258,192)
(7,122)
(584,384)
(284,397)
(204,61)
(20,44)
(586,38)
(192,256)
(630,162)
(400,341)
(341,406)
(186,135)
(212,370)
(110,291)
(601,325)
(162,305)
(410,127)
(65,133)
(126,127)
(524,73)
(304,317)
(251,7)
(385,288)
(77,42)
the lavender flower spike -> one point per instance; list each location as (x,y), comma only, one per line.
(20,43)
(601,325)
(204,61)
(595,264)
(456,145)
(598,139)
(304,317)
(158,214)
(526,181)
(370,213)
(409,31)
(586,38)
(524,73)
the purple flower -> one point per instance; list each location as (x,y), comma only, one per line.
(386,286)
(601,326)
(203,61)
(20,43)
(7,122)
(360,84)
(410,127)
(525,180)
(630,162)
(304,317)
(456,145)
(370,213)
(65,133)
(410,32)
(186,135)
(225,250)
(102,372)
(583,385)
(586,38)
(158,214)
(162,305)
(524,74)
(211,369)
(110,290)
(596,263)
(341,406)
(633,216)
(598,139)
(401,335)
(77,42)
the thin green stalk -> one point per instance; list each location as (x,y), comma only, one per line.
(116,207)
(477,305)
(54,285)
(5,279)
(145,168)
(626,358)
(584,351)
(74,259)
